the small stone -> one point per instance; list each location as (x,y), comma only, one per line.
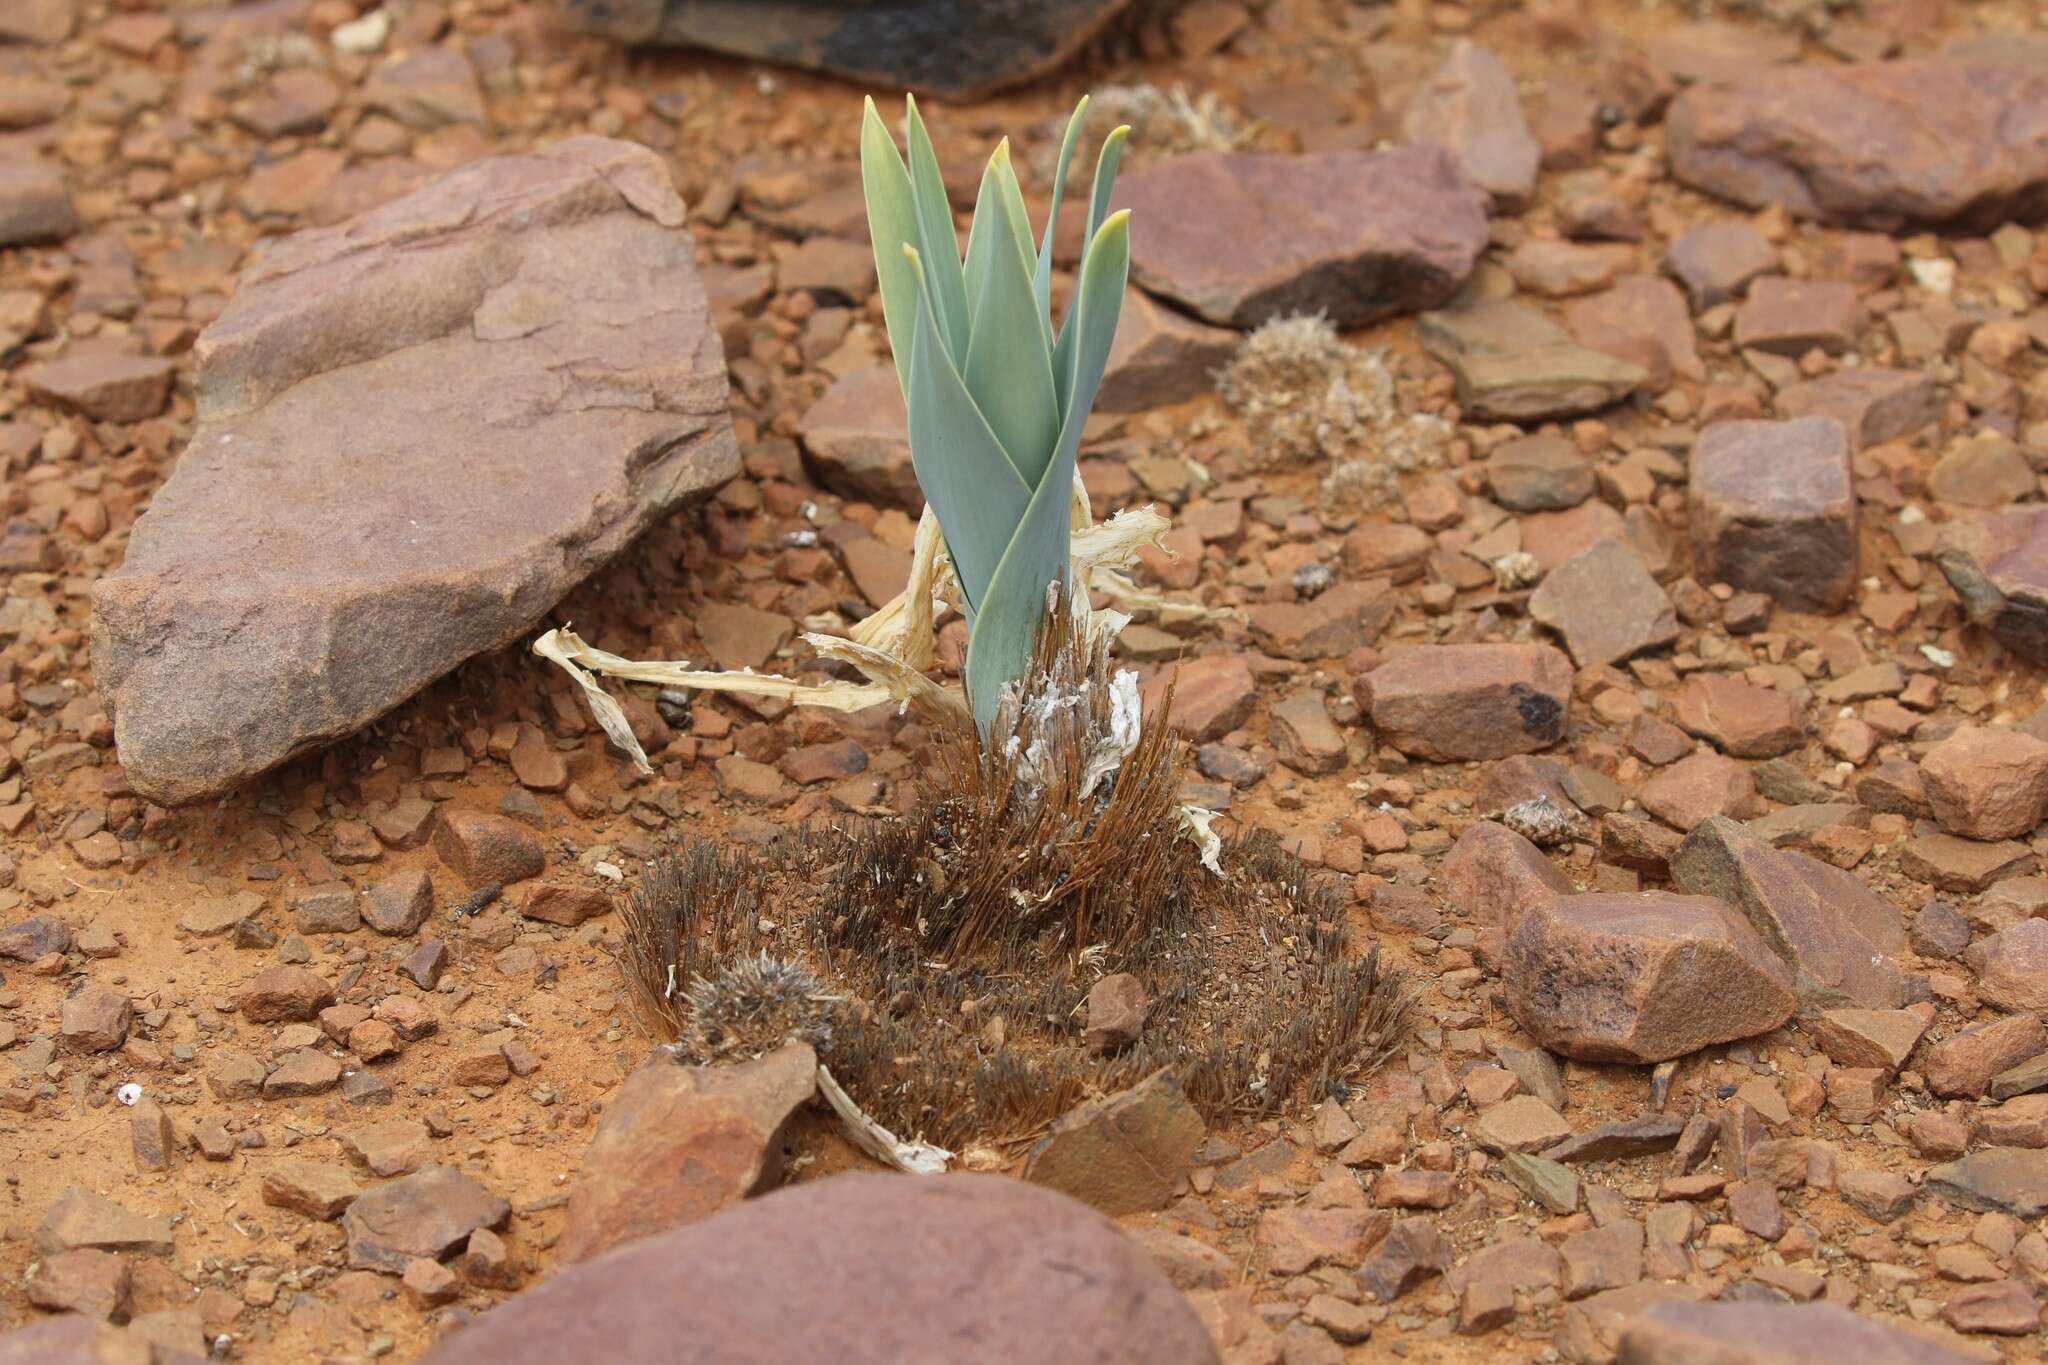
(1605,1258)
(1772,510)
(313,1188)
(1468,107)
(1471,701)
(302,1071)
(80,1218)
(1126,1153)
(1540,473)
(1413,1252)
(96,1019)
(1521,1124)
(1116,1013)
(1549,1183)
(488,848)
(1866,1038)
(1606,605)
(1739,718)
(427,1214)
(399,904)
(1512,364)
(34,205)
(2002,1307)
(1714,261)
(94,1283)
(568,906)
(284,995)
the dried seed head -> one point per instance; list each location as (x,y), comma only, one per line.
(751,1006)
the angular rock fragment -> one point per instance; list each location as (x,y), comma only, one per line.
(1241,238)
(1481,701)
(1469,108)
(1874,144)
(1987,784)
(1641,978)
(1738,717)
(679,1143)
(429,1214)
(1512,364)
(1772,510)
(1493,874)
(417,431)
(1998,564)
(857,438)
(1873,404)
(1605,604)
(1125,1153)
(34,205)
(1769,1333)
(1834,931)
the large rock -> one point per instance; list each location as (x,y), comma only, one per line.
(861,1269)
(1456,702)
(962,49)
(1161,356)
(1998,564)
(679,1143)
(1512,364)
(1752,1332)
(2010,1180)
(1773,510)
(1468,107)
(428,1214)
(78,1339)
(1875,144)
(418,431)
(1244,237)
(1641,978)
(1837,934)
(2012,966)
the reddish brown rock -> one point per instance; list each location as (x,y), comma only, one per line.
(1305,737)
(1453,702)
(1330,625)
(1768,1333)
(34,205)
(992,1268)
(105,385)
(399,904)
(1242,237)
(1740,718)
(1772,510)
(1494,874)
(1873,144)
(566,905)
(95,1019)
(1160,357)
(1964,1063)
(94,1283)
(364,566)
(679,1143)
(1987,784)
(1792,317)
(1211,696)
(857,440)
(1873,404)
(1698,788)
(427,1214)
(2002,1307)
(1835,932)
(2012,967)
(1468,107)
(482,848)
(1125,1153)
(1998,564)
(1605,604)
(284,994)
(1641,978)
(1715,260)
(1963,865)
(1642,320)
(310,1187)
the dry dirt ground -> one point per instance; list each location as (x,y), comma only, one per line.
(148,131)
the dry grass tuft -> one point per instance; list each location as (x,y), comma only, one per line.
(941,961)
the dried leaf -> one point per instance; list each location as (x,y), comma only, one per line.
(918,1158)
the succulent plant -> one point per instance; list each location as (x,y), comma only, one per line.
(997,395)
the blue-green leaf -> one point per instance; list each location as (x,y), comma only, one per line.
(1083,350)
(1043,280)
(892,223)
(940,245)
(976,492)
(1098,210)
(1008,370)
(1005,630)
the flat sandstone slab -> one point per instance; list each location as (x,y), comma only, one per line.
(418,430)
